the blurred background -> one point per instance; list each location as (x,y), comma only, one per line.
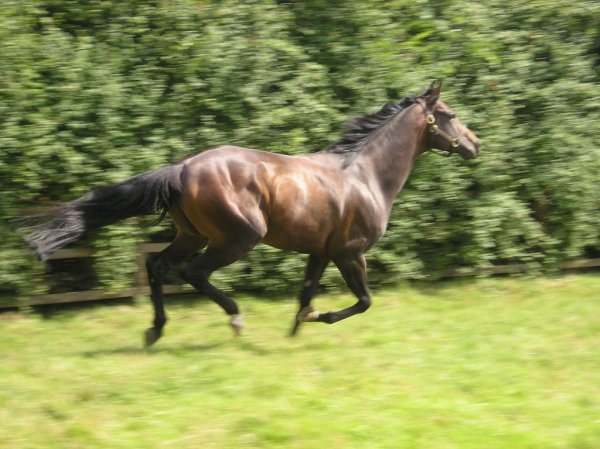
(94,92)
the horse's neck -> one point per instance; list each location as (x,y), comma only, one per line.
(389,157)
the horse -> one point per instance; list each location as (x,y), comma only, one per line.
(332,205)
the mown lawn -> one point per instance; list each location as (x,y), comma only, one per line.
(484,364)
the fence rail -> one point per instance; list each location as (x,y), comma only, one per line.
(141,281)
(142,288)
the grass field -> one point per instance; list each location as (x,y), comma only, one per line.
(482,364)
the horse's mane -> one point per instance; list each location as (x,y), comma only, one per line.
(360,129)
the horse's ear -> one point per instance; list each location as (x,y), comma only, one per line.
(433,94)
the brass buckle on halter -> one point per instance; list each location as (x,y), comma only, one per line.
(455,142)
(430,119)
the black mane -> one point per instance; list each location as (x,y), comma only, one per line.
(360,129)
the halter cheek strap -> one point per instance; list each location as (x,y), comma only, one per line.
(434,130)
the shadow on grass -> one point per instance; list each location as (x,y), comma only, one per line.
(182,350)
(133,350)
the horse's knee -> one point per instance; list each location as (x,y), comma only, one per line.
(159,321)
(363,304)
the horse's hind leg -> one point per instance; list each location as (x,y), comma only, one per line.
(158,265)
(203,265)
(314,270)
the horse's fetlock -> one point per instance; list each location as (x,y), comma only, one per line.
(159,323)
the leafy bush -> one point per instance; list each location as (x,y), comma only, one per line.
(91,93)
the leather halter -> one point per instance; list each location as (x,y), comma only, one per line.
(434,130)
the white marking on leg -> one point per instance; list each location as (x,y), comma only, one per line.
(308,314)
(237,321)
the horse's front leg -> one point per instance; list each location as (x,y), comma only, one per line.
(354,272)
(314,270)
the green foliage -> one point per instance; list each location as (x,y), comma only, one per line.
(91,93)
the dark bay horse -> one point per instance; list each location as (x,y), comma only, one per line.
(332,205)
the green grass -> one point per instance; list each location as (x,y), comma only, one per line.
(485,364)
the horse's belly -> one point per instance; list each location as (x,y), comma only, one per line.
(300,240)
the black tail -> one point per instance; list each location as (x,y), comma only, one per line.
(151,192)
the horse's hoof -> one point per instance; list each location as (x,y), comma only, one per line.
(306,314)
(151,336)
(237,324)
(295,328)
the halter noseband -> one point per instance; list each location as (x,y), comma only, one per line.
(434,130)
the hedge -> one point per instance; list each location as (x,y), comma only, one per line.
(93,92)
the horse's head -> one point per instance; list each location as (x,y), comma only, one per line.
(446,132)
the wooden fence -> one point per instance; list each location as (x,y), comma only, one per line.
(142,288)
(141,281)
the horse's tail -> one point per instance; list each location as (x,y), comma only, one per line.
(151,192)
